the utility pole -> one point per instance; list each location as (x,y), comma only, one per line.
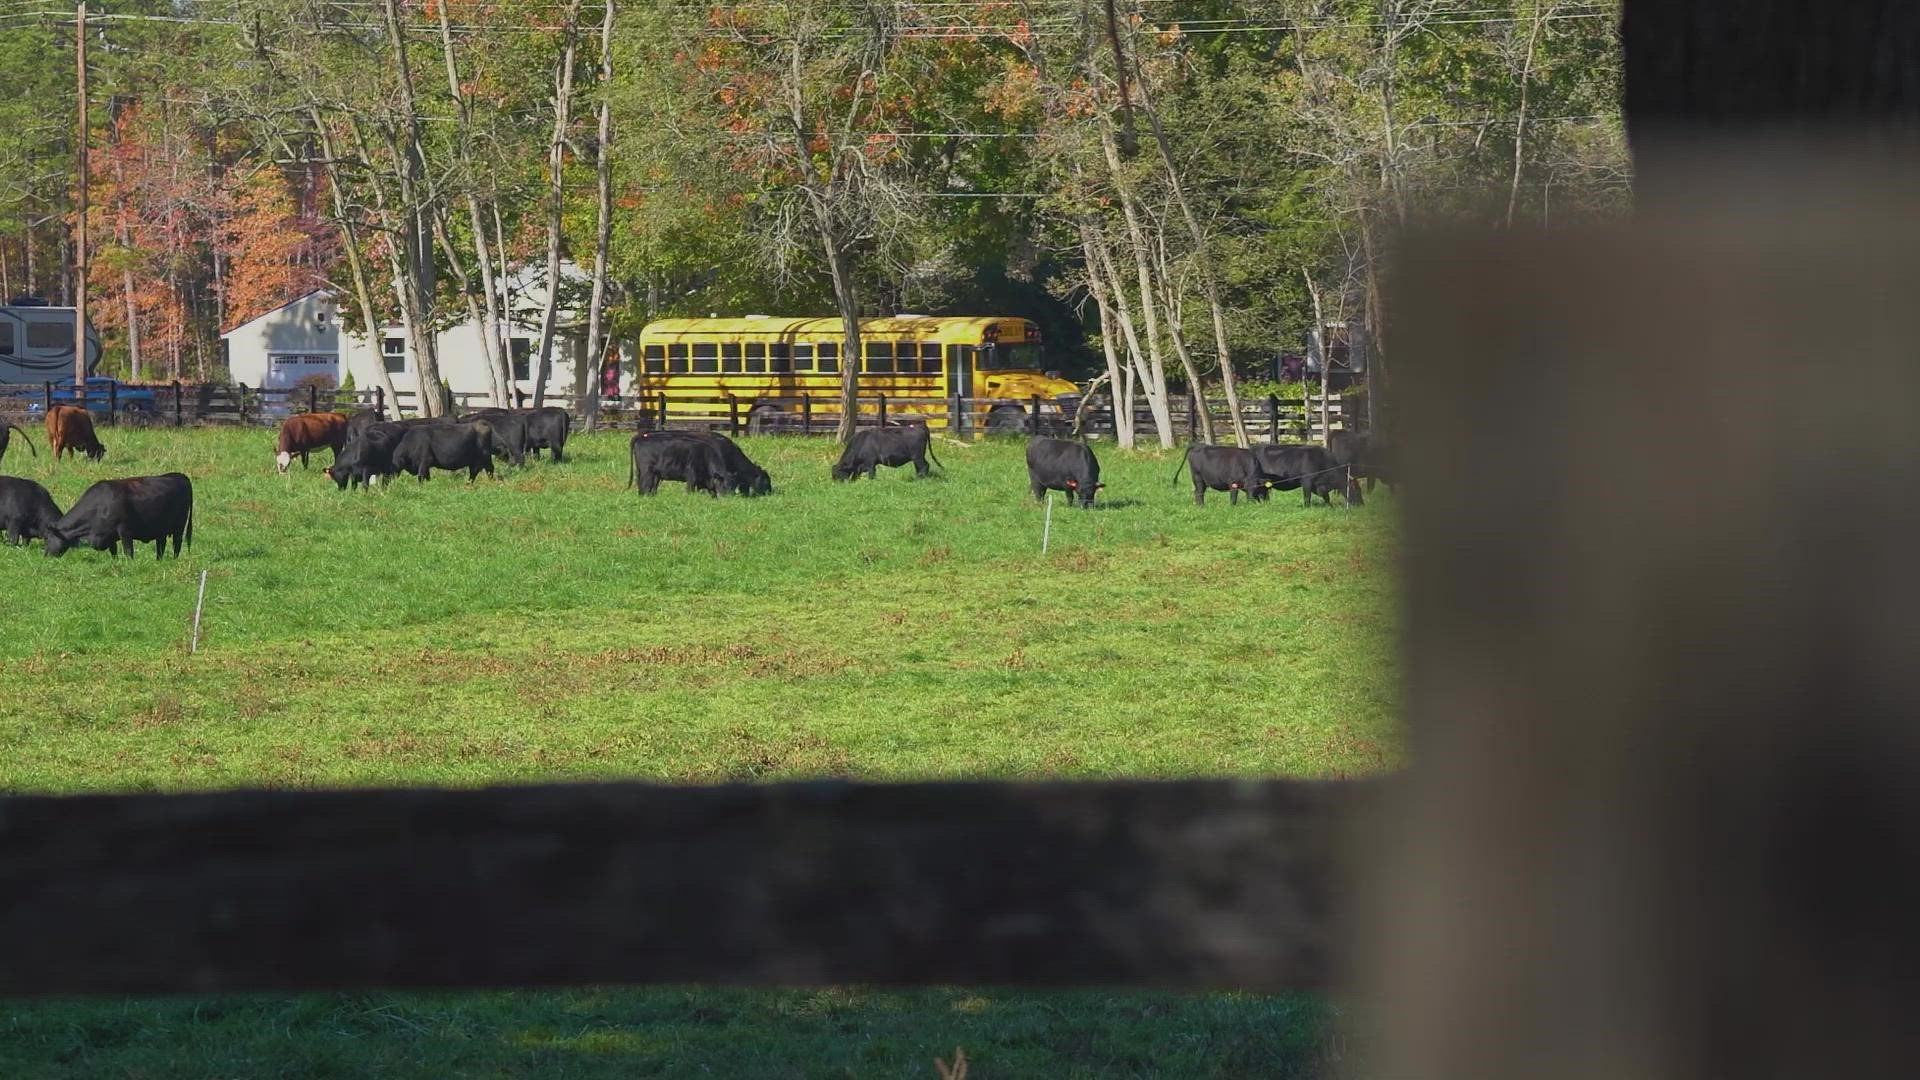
(80,222)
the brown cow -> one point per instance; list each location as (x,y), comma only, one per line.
(309,431)
(70,429)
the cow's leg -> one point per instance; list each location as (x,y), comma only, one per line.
(126,540)
(13,535)
(920,465)
(1199,493)
(178,533)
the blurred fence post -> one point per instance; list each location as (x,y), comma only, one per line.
(313,398)
(882,399)
(179,412)
(1273,418)
(380,401)
(113,403)
(806,414)
(733,416)
(954,427)
(48,390)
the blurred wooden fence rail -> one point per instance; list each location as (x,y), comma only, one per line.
(1268,419)
(1185,884)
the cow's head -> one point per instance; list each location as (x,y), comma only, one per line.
(339,475)
(97,451)
(282,460)
(55,542)
(843,471)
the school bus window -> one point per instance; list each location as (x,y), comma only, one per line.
(677,359)
(828,356)
(656,359)
(706,357)
(730,357)
(802,357)
(879,356)
(756,357)
(779,360)
(930,357)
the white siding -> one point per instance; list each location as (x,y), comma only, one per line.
(309,326)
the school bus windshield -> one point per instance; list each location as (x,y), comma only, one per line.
(1008,358)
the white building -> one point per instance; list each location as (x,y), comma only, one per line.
(303,337)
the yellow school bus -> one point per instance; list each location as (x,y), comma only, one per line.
(768,364)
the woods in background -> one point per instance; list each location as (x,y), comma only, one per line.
(1171,187)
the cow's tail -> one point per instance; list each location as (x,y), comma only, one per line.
(23,436)
(1178,469)
(189,520)
(931,457)
(630,469)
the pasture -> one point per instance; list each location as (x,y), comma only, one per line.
(550,625)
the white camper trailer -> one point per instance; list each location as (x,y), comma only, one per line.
(36,344)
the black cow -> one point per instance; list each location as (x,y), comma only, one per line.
(26,509)
(671,455)
(1060,465)
(362,420)
(892,446)
(426,447)
(126,512)
(744,474)
(547,429)
(509,432)
(6,434)
(1312,469)
(368,456)
(1223,468)
(1365,453)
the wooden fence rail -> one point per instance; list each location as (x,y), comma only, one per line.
(1187,884)
(1269,419)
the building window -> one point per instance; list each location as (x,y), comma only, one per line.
(393,350)
(656,359)
(756,358)
(522,352)
(730,358)
(42,336)
(706,357)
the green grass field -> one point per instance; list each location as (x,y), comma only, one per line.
(553,626)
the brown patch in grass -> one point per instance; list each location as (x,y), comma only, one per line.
(934,556)
(749,756)
(163,711)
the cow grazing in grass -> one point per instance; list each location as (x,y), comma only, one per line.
(308,432)
(368,456)
(654,456)
(1366,454)
(1223,468)
(362,420)
(891,446)
(26,509)
(509,432)
(426,447)
(1312,469)
(744,475)
(1061,465)
(70,430)
(6,434)
(115,515)
(547,429)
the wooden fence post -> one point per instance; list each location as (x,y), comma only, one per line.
(1033,426)
(662,425)
(313,398)
(113,403)
(806,414)
(179,413)
(954,427)
(882,398)
(733,415)
(1193,416)
(1273,418)
(380,401)
(240,402)
(49,393)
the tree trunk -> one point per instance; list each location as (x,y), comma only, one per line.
(485,315)
(848,300)
(603,224)
(1326,353)
(357,277)
(1138,243)
(1203,262)
(1122,417)
(556,197)
(1153,380)
(419,275)
(1520,121)
(490,342)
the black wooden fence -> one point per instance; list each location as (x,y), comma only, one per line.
(1267,419)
